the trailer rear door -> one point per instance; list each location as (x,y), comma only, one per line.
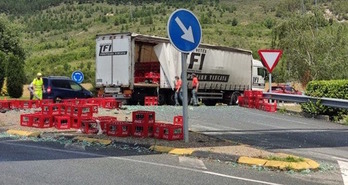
(113,60)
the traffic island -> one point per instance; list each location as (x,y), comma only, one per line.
(277,161)
(280,163)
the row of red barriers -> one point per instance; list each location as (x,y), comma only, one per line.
(108,103)
(254,99)
(143,125)
(23,104)
(60,115)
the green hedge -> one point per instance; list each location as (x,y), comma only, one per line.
(330,89)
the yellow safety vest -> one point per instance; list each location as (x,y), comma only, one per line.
(38,84)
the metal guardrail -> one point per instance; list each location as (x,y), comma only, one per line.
(330,102)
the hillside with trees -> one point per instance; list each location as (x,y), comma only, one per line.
(58,36)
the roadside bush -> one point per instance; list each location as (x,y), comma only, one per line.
(15,77)
(329,89)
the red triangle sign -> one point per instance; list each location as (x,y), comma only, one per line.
(270,58)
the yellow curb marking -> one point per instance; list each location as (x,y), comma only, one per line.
(251,161)
(93,140)
(306,164)
(277,164)
(181,151)
(162,149)
(171,150)
(23,133)
(312,164)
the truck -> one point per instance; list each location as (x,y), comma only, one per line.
(131,66)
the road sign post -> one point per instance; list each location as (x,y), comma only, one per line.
(270,59)
(77,76)
(185,34)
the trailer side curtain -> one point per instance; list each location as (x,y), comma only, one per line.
(170,60)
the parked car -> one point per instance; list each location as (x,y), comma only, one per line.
(61,87)
(285,89)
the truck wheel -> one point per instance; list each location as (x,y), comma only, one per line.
(171,99)
(161,99)
(234,98)
(210,102)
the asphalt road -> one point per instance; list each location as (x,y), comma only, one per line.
(29,162)
(324,141)
(272,131)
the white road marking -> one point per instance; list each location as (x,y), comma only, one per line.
(191,162)
(344,171)
(143,162)
(339,158)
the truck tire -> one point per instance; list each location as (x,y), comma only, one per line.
(161,99)
(170,99)
(234,98)
(210,102)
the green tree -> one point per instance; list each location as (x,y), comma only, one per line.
(313,50)
(2,68)
(11,53)
(15,76)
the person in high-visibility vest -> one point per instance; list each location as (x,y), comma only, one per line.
(38,86)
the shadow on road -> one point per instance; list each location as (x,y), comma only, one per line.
(286,138)
(14,149)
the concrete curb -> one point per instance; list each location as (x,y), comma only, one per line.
(23,133)
(93,140)
(282,165)
(273,164)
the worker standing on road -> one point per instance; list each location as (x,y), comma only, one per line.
(195,85)
(38,86)
(178,91)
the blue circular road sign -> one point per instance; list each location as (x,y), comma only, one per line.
(77,76)
(184,30)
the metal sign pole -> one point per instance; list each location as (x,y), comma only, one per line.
(184,101)
(270,85)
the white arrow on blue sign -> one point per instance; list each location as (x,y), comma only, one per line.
(77,76)
(184,30)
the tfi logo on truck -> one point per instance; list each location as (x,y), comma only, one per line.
(106,50)
(197,57)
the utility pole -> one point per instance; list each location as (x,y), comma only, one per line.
(130,11)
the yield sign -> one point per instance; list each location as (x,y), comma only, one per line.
(270,58)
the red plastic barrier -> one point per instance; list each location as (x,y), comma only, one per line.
(159,129)
(270,107)
(173,132)
(248,93)
(51,109)
(178,120)
(241,101)
(42,121)
(150,100)
(118,128)
(26,120)
(104,120)
(143,117)
(257,94)
(84,111)
(5,104)
(62,122)
(89,126)
(142,130)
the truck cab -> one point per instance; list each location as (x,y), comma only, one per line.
(259,75)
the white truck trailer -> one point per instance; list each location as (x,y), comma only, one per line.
(131,66)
